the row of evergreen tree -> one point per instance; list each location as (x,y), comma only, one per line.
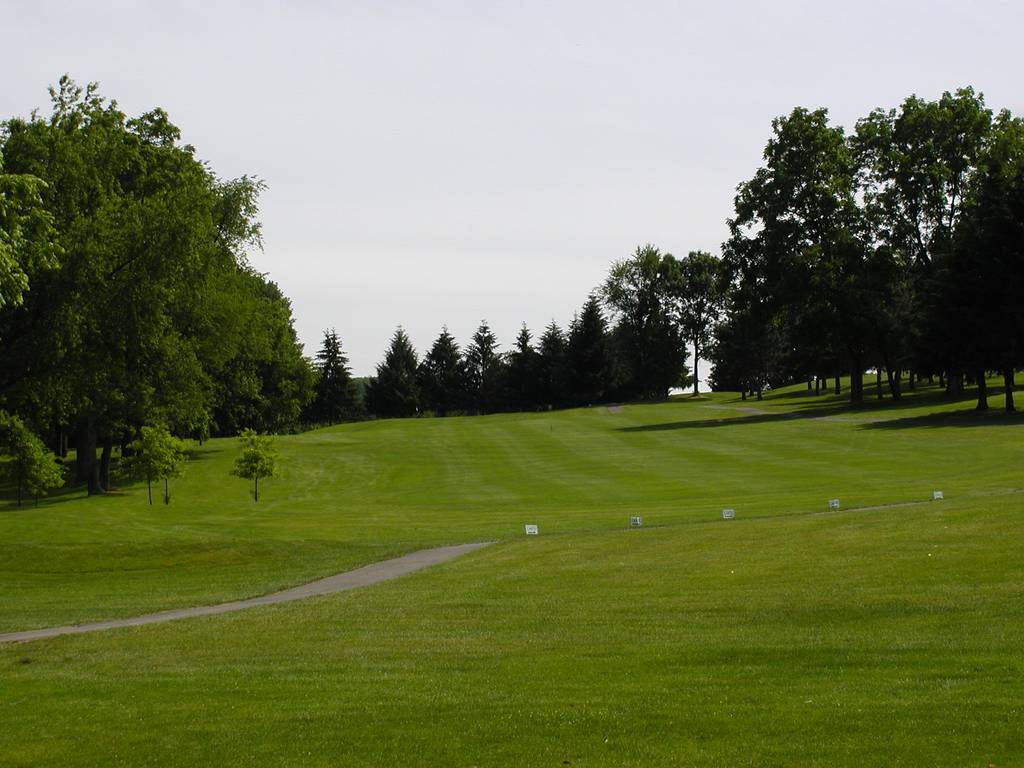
(580,365)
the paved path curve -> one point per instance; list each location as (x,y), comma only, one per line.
(361,577)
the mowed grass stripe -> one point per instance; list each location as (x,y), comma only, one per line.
(847,640)
(355,493)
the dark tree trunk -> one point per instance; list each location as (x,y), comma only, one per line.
(911,381)
(954,383)
(839,387)
(895,383)
(149,488)
(167,493)
(982,393)
(1008,389)
(743,393)
(878,382)
(108,449)
(817,385)
(695,350)
(856,380)
(810,384)
(21,472)
(256,488)
(942,380)
(86,467)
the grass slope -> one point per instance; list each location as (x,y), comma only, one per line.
(788,636)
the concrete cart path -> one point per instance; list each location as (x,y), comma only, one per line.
(361,577)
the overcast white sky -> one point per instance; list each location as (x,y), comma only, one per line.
(437,163)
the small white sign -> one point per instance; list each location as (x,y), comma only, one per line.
(833,503)
(728,514)
(936,495)
(636,522)
(531,530)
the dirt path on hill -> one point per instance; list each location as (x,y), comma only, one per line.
(361,577)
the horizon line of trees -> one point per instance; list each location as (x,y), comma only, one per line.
(629,341)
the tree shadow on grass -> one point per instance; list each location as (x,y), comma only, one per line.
(736,421)
(868,416)
(972,418)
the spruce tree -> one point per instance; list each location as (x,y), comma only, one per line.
(484,371)
(394,392)
(551,365)
(335,393)
(588,356)
(523,368)
(442,376)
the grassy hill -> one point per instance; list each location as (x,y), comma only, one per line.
(878,635)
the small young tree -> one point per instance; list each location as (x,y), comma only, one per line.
(31,465)
(158,456)
(258,459)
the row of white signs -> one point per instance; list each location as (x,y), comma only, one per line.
(727,514)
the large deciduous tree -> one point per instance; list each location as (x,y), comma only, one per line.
(149,312)
(699,298)
(648,341)
(797,241)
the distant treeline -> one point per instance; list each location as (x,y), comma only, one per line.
(627,342)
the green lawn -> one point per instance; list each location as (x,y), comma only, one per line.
(789,636)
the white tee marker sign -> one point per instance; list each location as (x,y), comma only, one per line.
(728,514)
(936,495)
(833,503)
(636,522)
(531,530)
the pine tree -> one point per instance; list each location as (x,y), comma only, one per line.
(523,369)
(335,396)
(588,356)
(551,365)
(484,371)
(442,376)
(394,391)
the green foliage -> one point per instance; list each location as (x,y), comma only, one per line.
(552,367)
(484,371)
(334,398)
(257,460)
(394,391)
(441,376)
(29,464)
(523,370)
(699,298)
(589,355)
(142,303)
(157,455)
(648,340)
(26,234)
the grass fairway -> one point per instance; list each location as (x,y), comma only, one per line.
(788,636)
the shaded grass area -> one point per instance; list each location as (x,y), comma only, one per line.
(884,637)
(363,492)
